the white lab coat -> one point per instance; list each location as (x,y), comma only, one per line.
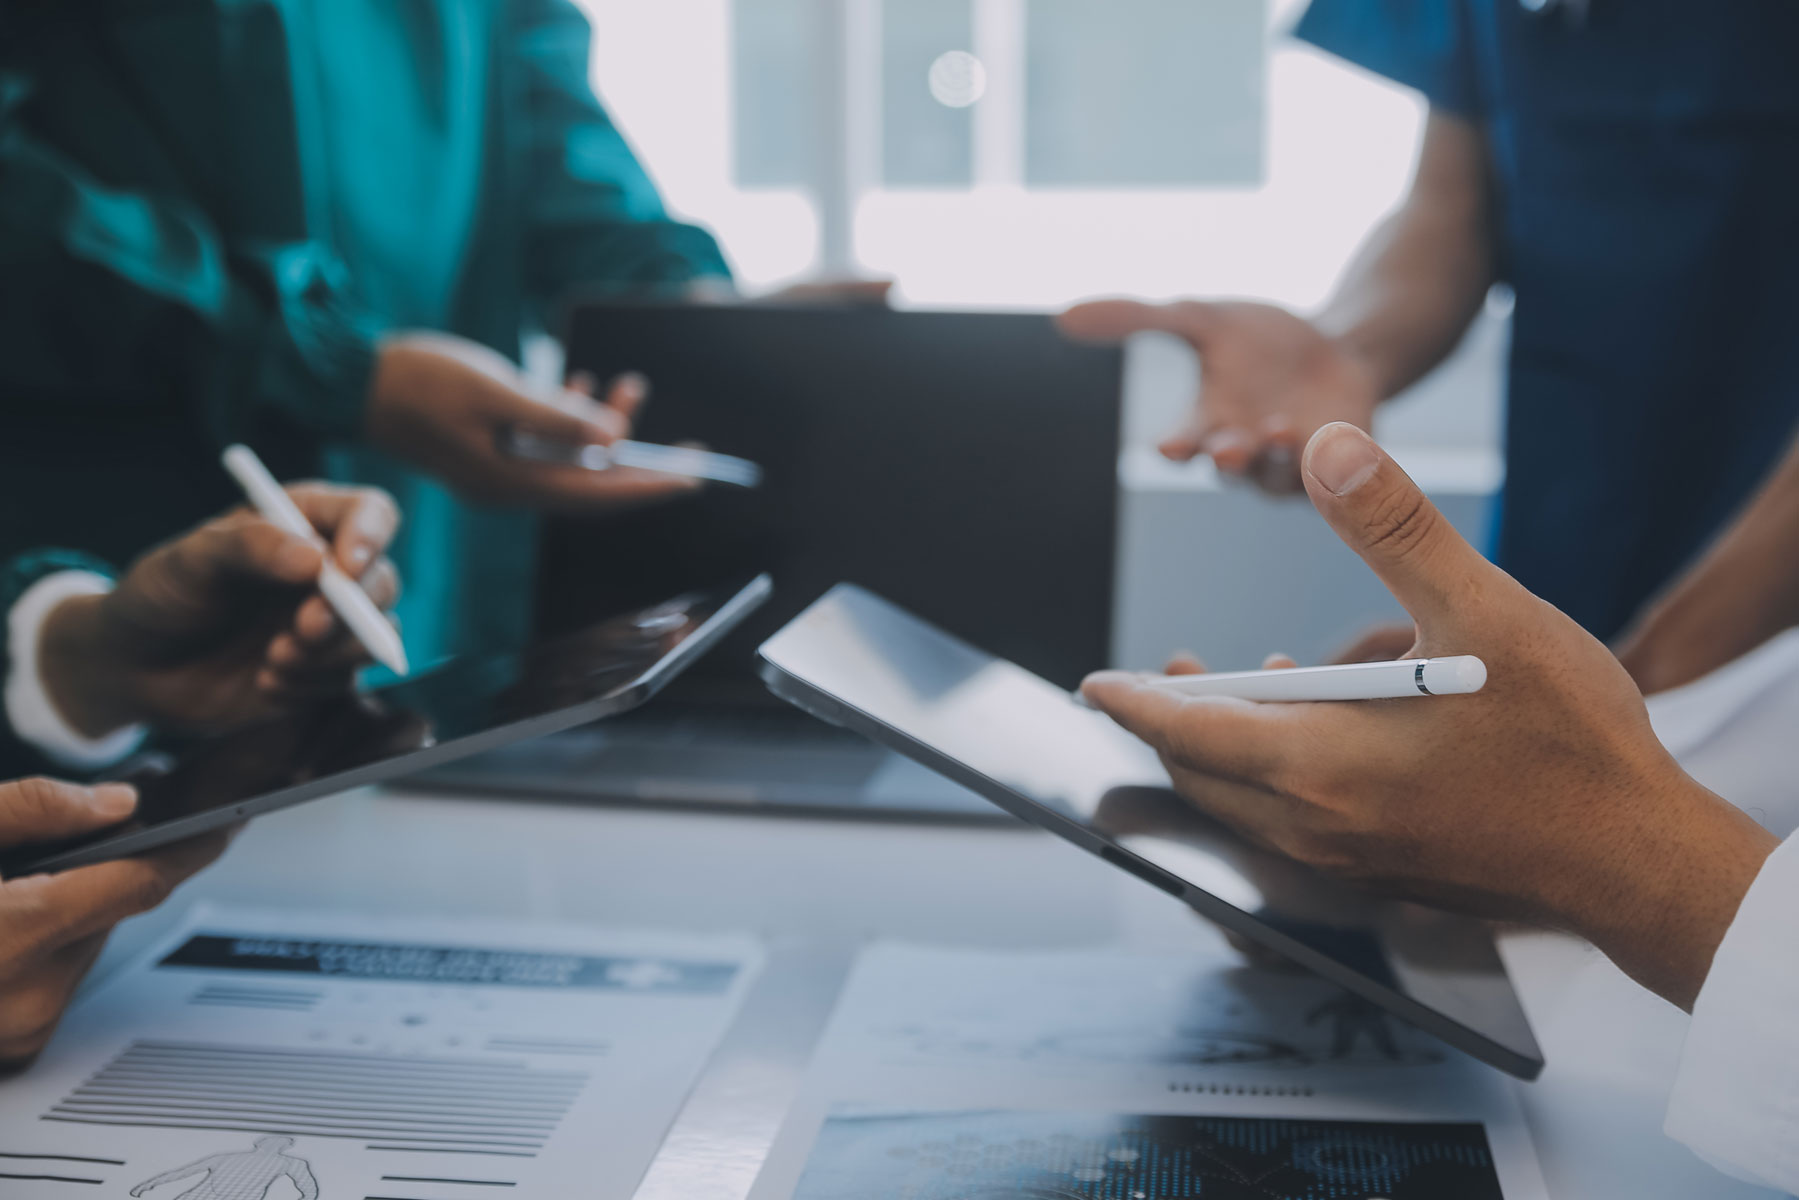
(1736,1099)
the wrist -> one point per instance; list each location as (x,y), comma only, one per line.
(1365,367)
(85,677)
(1663,883)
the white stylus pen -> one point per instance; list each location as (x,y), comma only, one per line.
(345,595)
(1459,675)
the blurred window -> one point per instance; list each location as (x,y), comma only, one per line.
(1010,152)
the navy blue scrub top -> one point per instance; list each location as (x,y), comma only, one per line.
(1647,165)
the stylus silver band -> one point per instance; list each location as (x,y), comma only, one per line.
(1418,677)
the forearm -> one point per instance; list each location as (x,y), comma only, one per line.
(1423,275)
(1742,591)
(109,287)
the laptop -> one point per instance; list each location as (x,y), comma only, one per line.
(964,464)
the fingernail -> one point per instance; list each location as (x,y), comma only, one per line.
(1342,458)
(114,801)
(359,557)
(634,382)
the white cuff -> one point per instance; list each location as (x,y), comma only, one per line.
(1736,1098)
(29,709)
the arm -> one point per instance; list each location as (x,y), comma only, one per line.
(223,625)
(213,629)
(301,1174)
(1422,276)
(177,1175)
(593,217)
(1743,590)
(112,293)
(1568,810)
(1269,379)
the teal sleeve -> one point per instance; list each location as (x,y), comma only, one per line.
(17,759)
(595,220)
(1420,44)
(113,295)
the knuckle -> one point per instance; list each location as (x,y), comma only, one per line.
(39,802)
(150,889)
(1401,523)
(383,583)
(382,511)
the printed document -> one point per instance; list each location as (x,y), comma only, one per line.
(956,1073)
(265,1057)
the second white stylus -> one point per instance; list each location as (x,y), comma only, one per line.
(1457,675)
(345,595)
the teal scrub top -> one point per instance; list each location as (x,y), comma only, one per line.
(210,212)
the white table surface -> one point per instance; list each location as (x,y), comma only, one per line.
(815,889)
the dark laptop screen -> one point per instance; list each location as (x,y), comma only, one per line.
(963,464)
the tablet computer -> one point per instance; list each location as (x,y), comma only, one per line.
(858,661)
(462,707)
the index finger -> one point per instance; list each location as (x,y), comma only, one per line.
(42,810)
(359,522)
(1217,735)
(47,912)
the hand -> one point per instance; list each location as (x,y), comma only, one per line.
(443,403)
(52,927)
(1268,381)
(1546,797)
(224,625)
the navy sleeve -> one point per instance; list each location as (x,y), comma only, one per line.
(1421,44)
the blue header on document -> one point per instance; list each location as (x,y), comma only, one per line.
(399,963)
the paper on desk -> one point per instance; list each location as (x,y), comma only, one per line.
(960,1073)
(262,1057)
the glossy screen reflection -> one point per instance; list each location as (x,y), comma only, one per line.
(1028,746)
(467,705)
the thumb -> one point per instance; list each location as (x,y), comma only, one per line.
(42,810)
(1383,516)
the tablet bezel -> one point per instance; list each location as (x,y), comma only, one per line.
(633,694)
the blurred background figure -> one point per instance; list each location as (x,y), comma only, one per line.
(321,228)
(1629,172)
